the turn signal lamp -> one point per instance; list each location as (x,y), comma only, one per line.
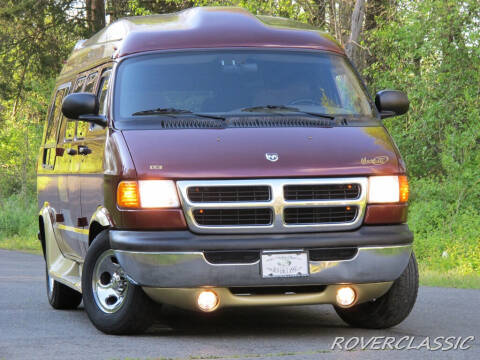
(127,194)
(147,194)
(404,190)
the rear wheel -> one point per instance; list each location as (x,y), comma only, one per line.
(113,304)
(61,296)
(390,309)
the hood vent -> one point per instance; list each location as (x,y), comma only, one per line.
(193,123)
(246,122)
(278,121)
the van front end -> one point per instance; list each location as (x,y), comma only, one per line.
(269,242)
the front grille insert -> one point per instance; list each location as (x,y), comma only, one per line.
(231,217)
(332,254)
(232,257)
(228,193)
(322,192)
(275,205)
(320,215)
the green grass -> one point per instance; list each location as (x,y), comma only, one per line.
(21,244)
(451,279)
(19,224)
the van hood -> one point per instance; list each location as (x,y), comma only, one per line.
(242,152)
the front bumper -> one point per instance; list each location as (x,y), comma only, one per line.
(175,259)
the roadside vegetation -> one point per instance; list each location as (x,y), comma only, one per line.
(430,49)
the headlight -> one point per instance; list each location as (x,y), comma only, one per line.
(387,189)
(147,194)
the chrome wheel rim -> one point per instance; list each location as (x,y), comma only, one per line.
(109,284)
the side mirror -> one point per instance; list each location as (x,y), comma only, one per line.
(391,103)
(83,107)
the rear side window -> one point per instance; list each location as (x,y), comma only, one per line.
(55,116)
(49,151)
(79,84)
(71,126)
(90,82)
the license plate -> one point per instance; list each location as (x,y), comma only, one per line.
(284,265)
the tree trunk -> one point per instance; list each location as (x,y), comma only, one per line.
(95,14)
(21,82)
(332,18)
(355,29)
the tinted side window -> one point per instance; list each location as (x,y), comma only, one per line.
(82,127)
(102,92)
(49,151)
(71,126)
(79,84)
(53,121)
(102,98)
(90,84)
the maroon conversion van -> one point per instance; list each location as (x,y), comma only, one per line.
(211,159)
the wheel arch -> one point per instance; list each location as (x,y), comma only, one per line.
(41,234)
(99,221)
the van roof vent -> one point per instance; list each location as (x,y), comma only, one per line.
(279,121)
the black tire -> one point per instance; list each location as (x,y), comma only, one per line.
(135,313)
(390,309)
(60,296)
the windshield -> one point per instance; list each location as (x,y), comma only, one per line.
(231,83)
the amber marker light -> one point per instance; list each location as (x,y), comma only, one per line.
(127,194)
(404,191)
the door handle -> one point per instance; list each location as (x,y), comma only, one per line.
(84,150)
(71,151)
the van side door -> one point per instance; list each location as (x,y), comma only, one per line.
(69,186)
(51,172)
(93,157)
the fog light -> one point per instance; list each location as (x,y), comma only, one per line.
(207,300)
(346,296)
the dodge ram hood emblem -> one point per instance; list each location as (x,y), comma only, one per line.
(271,157)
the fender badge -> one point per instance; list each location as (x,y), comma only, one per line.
(271,157)
(156,167)
(378,160)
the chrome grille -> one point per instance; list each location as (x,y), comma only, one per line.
(292,205)
(320,215)
(242,217)
(228,193)
(322,192)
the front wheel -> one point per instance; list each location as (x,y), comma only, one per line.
(390,309)
(113,304)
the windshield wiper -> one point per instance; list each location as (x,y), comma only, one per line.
(174,112)
(275,108)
